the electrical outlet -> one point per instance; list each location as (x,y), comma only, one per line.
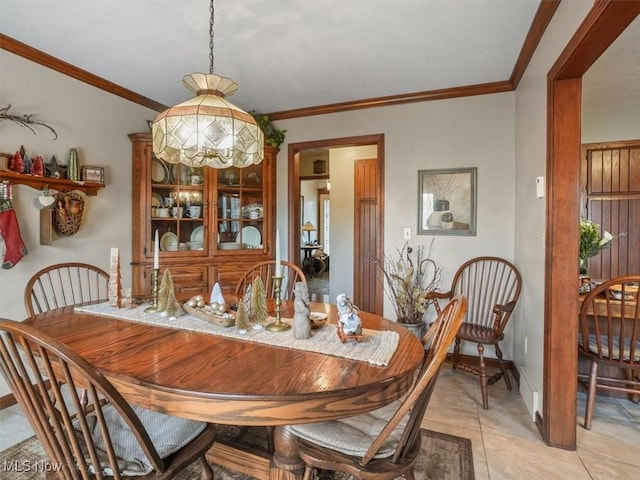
(407,233)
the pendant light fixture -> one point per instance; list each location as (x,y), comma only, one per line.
(208,130)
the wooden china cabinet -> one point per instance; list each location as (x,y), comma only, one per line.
(232,229)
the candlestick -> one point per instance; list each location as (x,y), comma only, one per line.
(278,325)
(278,272)
(154,290)
(156,253)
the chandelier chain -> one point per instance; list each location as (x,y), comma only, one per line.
(211,12)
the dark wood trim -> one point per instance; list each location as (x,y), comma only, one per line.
(315,177)
(455,92)
(602,25)
(23,50)
(610,145)
(543,17)
(294,187)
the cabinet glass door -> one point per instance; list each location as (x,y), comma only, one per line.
(240,212)
(177,207)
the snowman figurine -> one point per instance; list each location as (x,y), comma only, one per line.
(349,322)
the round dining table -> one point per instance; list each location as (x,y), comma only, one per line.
(222,380)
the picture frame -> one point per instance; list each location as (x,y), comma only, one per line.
(92,174)
(447,201)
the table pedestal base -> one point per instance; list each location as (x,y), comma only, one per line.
(284,464)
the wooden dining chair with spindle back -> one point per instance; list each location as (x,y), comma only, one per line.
(385,443)
(104,436)
(609,337)
(291,274)
(492,286)
(65,284)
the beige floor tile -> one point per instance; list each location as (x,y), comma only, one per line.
(603,468)
(14,427)
(516,459)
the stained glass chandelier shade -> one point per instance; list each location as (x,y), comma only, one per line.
(208,130)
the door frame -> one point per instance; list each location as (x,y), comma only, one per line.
(294,188)
(606,20)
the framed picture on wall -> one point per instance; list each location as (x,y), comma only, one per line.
(447,201)
(92,174)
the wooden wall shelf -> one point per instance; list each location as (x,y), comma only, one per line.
(58,184)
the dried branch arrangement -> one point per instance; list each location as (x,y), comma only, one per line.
(24,120)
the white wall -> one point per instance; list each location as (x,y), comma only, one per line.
(611,124)
(96,123)
(465,132)
(530,162)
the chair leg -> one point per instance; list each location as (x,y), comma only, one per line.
(483,378)
(456,353)
(307,472)
(503,367)
(591,395)
(206,473)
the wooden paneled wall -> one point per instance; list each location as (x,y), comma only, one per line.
(611,197)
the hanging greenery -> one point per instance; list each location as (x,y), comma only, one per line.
(272,136)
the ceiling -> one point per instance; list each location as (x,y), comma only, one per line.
(286,54)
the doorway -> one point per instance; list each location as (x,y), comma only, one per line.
(343,259)
(598,31)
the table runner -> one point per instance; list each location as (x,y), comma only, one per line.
(377,348)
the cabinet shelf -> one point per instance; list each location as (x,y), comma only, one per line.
(58,184)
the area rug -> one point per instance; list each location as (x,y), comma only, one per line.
(443,457)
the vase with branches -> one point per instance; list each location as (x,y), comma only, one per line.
(408,278)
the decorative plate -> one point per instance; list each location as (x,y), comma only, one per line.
(249,235)
(198,234)
(159,171)
(169,241)
(156,199)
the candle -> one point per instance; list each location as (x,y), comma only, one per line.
(278,266)
(156,253)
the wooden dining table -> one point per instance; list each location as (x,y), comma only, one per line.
(222,380)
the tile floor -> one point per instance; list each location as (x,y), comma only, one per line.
(506,443)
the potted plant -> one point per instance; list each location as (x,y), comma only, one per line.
(591,243)
(408,280)
(272,136)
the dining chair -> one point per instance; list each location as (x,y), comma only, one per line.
(492,286)
(609,337)
(105,437)
(385,443)
(65,284)
(291,274)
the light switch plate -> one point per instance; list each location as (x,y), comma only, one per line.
(407,233)
(539,187)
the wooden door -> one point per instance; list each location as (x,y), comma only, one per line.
(611,187)
(367,214)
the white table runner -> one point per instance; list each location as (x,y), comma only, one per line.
(377,348)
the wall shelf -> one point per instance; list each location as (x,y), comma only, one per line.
(58,184)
